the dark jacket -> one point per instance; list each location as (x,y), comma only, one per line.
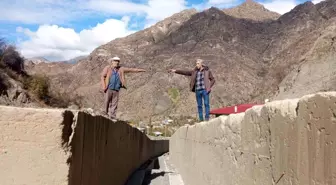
(209,80)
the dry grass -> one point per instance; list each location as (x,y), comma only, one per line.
(39,86)
(12,64)
(64,100)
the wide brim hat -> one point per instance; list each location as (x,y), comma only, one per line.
(116,59)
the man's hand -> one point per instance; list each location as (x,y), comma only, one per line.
(172,70)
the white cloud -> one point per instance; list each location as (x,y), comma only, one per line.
(280,6)
(114,7)
(160,9)
(58,43)
(154,10)
(64,11)
(38,11)
(317,1)
(218,2)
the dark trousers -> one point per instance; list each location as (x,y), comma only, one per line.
(202,95)
(111,103)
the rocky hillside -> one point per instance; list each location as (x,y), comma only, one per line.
(252,11)
(316,70)
(251,60)
(18,88)
(11,71)
(12,91)
(36,60)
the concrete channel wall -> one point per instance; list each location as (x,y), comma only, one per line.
(60,147)
(289,142)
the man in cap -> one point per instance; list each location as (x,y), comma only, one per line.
(201,82)
(112,79)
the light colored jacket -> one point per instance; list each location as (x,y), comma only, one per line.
(107,72)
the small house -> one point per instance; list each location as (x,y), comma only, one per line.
(232,109)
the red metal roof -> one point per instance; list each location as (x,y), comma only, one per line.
(231,110)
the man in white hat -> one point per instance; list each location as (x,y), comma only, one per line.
(112,79)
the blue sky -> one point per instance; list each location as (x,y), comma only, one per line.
(64,29)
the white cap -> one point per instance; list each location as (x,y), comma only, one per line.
(116,58)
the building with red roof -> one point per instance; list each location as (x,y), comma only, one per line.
(232,109)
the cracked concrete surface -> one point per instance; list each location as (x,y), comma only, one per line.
(60,147)
(284,142)
(288,142)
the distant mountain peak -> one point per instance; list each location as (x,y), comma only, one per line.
(253,10)
(180,16)
(213,9)
(251,2)
(36,60)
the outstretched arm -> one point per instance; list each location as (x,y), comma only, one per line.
(133,70)
(182,72)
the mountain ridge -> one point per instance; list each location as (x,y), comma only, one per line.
(253,11)
(250,60)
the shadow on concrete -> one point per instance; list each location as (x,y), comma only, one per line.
(145,170)
(150,176)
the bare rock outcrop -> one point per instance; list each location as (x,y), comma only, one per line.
(12,92)
(253,11)
(316,72)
